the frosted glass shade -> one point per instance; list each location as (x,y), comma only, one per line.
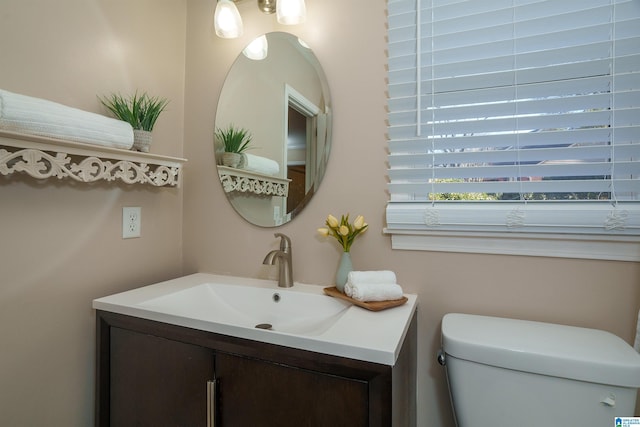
(257,49)
(227,20)
(291,12)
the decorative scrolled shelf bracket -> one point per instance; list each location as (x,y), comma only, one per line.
(252,182)
(44,158)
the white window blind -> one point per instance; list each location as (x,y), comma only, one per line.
(514,116)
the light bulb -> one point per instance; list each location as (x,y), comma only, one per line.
(227,20)
(291,12)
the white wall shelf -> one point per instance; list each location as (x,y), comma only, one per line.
(252,182)
(43,157)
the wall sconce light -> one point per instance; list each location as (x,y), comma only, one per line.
(228,23)
(291,12)
(227,20)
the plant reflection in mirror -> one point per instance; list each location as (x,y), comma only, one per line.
(234,140)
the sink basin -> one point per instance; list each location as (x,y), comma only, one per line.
(301,317)
(286,311)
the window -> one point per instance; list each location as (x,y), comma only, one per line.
(515,119)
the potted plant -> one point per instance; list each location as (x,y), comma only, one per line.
(140,111)
(235,141)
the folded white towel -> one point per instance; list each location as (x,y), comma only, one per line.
(376,276)
(372,286)
(373,291)
(25,114)
(259,164)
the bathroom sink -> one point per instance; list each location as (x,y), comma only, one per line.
(301,317)
(285,310)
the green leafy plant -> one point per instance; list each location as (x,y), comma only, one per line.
(140,111)
(235,140)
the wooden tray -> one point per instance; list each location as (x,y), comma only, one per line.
(369,305)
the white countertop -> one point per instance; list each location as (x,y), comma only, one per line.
(358,334)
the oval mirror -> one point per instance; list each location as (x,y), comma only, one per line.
(277,93)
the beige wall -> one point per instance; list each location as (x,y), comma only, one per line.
(61,244)
(349,39)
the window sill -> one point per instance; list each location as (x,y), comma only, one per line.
(618,248)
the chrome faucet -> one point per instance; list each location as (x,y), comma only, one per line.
(285,270)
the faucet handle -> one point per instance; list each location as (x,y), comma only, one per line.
(285,242)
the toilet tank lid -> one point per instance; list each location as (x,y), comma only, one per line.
(542,348)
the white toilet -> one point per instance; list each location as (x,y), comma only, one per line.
(507,372)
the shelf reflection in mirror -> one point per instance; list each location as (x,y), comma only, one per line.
(283,101)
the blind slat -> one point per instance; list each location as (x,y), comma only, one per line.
(576,153)
(421,192)
(529,172)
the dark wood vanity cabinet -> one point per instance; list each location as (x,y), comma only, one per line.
(156,381)
(156,374)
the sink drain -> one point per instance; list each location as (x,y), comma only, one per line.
(267,326)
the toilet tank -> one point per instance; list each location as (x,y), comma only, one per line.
(532,374)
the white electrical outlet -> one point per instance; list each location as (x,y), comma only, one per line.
(131,217)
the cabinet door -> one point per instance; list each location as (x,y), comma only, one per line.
(157,382)
(262,394)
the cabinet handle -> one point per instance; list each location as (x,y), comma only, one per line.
(211,403)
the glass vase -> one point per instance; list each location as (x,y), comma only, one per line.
(344,267)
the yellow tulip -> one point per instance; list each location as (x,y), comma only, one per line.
(332,221)
(323,231)
(342,230)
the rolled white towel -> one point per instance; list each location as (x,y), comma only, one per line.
(376,276)
(25,114)
(259,164)
(373,291)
